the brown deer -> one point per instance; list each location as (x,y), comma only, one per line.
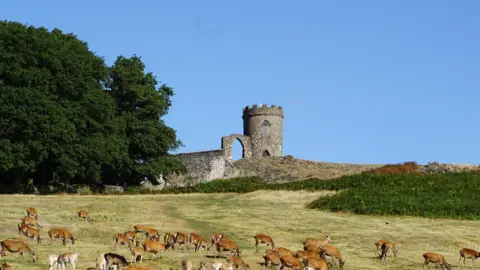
(61,234)
(153,247)
(437,259)
(378,248)
(216,237)
(316,241)
(227,245)
(301,254)
(30,233)
(139,228)
(263,239)
(152,234)
(6,266)
(291,262)
(132,236)
(237,262)
(197,241)
(180,239)
(84,214)
(284,252)
(271,258)
(32,212)
(137,252)
(386,246)
(334,253)
(67,258)
(14,246)
(112,259)
(121,239)
(168,240)
(467,253)
(315,264)
(31,222)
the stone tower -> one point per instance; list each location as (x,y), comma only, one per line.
(264,126)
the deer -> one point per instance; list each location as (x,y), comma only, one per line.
(386,246)
(437,259)
(61,234)
(197,241)
(467,253)
(180,239)
(227,245)
(153,247)
(112,259)
(32,212)
(152,234)
(271,258)
(100,262)
(263,239)
(237,262)
(15,246)
(31,222)
(284,252)
(137,251)
(121,239)
(291,262)
(132,236)
(84,214)
(222,266)
(316,241)
(301,254)
(334,253)
(315,264)
(139,228)
(30,233)
(66,258)
(216,237)
(168,241)
(6,266)
(187,265)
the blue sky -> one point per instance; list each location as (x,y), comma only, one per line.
(359,81)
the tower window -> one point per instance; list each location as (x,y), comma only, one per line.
(265,128)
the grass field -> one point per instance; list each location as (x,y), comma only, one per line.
(281,214)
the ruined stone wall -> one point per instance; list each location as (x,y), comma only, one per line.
(202,166)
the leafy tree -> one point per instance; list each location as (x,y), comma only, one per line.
(142,105)
(57,124)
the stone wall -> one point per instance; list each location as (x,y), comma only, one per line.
(201,166)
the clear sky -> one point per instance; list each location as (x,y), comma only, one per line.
(359,81)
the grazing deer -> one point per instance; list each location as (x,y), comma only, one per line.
(84,214)
(237,262)
(227,245)
(378,248)
(180,239)
(137,251)
(263,239)
(386,246)
(61,234)
(315,264)
(291,262)
(121,239)
(67,258)
(112,259)
(152,234)
(52,261)
(153,247)
(15,246)
(316,241)
(334,253)
(139,228)
(467,253)
(31,222)
(284,252)
(6,266)
(437,259)
(217,237)
(30,233)
(271,258)
(197,241)
(132,236)
(301,254)
(32,212)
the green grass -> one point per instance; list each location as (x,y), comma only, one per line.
(449,195)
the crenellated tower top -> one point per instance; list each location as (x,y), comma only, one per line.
(263,110)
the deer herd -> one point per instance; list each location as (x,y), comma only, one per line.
(315,254)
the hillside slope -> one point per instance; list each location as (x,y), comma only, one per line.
(289,168)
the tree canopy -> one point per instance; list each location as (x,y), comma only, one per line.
(68,118)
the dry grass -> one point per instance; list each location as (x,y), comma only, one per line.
(278,213)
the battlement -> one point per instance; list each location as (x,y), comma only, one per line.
(263,110)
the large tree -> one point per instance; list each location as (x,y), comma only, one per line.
(142,105)
(58,124)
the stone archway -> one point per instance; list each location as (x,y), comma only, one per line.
(266,154)
(227,142)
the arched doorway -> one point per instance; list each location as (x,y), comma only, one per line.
(265,129)
(238,151)
(265,153)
